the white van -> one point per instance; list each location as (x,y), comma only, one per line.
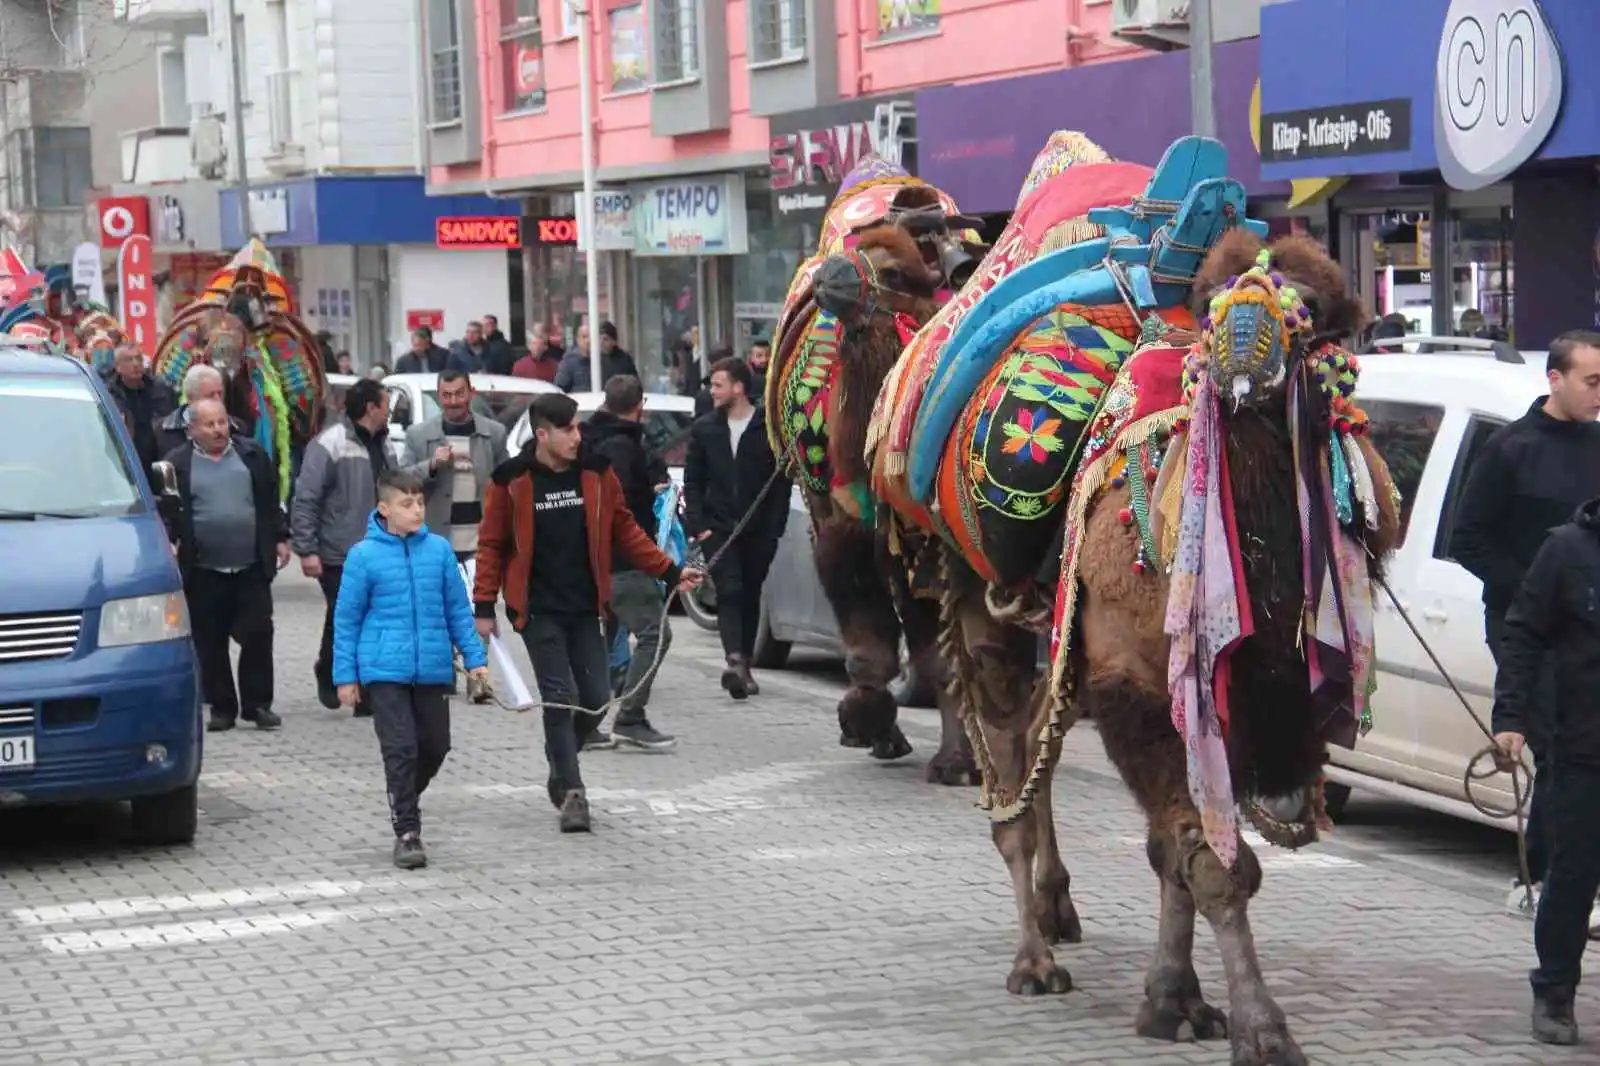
(1431,415)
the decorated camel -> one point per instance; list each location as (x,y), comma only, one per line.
(892,250)
(244,324)
(1197,476)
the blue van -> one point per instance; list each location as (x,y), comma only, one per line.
(99,687)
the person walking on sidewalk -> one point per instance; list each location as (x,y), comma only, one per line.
(1530,477)
(453,454)
(552,521)
(401,615)
(232,540)
(728,466)
(1553,626)
(333,497)
(616,431)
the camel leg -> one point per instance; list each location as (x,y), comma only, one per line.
(953,764)
(853,581)
(1034,972)
(1053,910)
(1173,1009)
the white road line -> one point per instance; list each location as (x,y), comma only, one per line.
(178,934)
(136,906)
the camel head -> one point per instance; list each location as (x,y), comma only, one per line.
(1263,307)
(907,264)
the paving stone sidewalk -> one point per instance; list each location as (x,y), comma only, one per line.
(761,896)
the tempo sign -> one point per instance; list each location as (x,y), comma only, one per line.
(478,233)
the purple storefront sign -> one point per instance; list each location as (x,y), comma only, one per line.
(976,142)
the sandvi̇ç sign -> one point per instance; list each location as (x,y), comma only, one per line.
(691,216)
(137,292)
(1336,132)
(478,233)
(1498,84)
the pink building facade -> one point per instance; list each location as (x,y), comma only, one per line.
(720,128)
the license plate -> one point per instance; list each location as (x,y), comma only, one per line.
(16,753)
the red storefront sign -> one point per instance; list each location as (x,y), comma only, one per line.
(433,320)
(478,233)
(122,217)
(555,231)
(138,292)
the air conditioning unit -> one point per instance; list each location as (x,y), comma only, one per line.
(1161,25)
(207,150)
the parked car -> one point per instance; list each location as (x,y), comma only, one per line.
(99,690)
(414,398)
(666,425)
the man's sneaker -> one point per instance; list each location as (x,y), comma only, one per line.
(408,852)
(327,691)
(218,723)
(1518,902)
(599,740)
(642,734)
(1553,1022)
(263,717)
(733,678)
(575,813)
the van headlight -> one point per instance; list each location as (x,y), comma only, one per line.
(144,620)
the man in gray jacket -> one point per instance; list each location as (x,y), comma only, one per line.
(454,454)
(333,497)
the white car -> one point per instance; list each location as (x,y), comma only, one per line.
(414,398)
(666,424)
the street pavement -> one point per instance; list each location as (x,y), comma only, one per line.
(760,896)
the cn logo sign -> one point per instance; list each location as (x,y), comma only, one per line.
(136,284)
(1497,89)
(122,217)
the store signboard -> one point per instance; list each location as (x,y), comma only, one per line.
(691,216)
(1336,132)
(477,234)
(613,221)
(561,231)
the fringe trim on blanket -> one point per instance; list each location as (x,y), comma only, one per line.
(1066,234)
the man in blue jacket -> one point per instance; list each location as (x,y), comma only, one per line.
(402,609)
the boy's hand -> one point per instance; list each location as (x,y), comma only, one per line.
(690,579)
(486,627)
(349,695)
(479,689)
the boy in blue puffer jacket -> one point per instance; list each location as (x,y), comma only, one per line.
(402,609)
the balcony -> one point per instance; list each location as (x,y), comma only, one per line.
(156,154)
(175,16)
(285,155)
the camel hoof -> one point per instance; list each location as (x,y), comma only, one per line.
(1057,916)
(1038,976)
(894,746)
(1270,1046)
(954,769)
(1181,1021)
(866,715)
(848,741)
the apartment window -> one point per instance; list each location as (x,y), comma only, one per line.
(677,40)
(630,53)
(907,18)
(444,62)
(780,30)
(49,166)
(19,169)
(522,56)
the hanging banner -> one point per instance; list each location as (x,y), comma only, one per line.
(137,292)
(87,277)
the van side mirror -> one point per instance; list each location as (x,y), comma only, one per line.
(165,475)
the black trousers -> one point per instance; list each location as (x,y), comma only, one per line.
(232,607)
(331,576)
(569,665)
(413,727)
(1561,928)
(739,576)
(1494,624)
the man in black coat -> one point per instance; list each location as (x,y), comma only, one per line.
(728,466)
(232,539)
(144,400)
(498,356)
(425,357)
(1529,479)
(1554,625)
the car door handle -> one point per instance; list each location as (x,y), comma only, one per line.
(1433,614)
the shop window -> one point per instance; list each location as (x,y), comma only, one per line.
(1485,282)
(677,40)
(444,62)
(522,57)
(907,18)
(668,299)
(778,30)
(762,279)
(1479,430)
(1403,434)
(630,51)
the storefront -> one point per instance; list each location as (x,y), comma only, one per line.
(366,253)
(182,221)
(1492,138)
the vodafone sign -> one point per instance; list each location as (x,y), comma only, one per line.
(482,232)
(138,291)
(122,217)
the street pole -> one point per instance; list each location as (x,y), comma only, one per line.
(1202,98)
(591,257)
(236,109)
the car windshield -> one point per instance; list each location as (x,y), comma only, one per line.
(59,456)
